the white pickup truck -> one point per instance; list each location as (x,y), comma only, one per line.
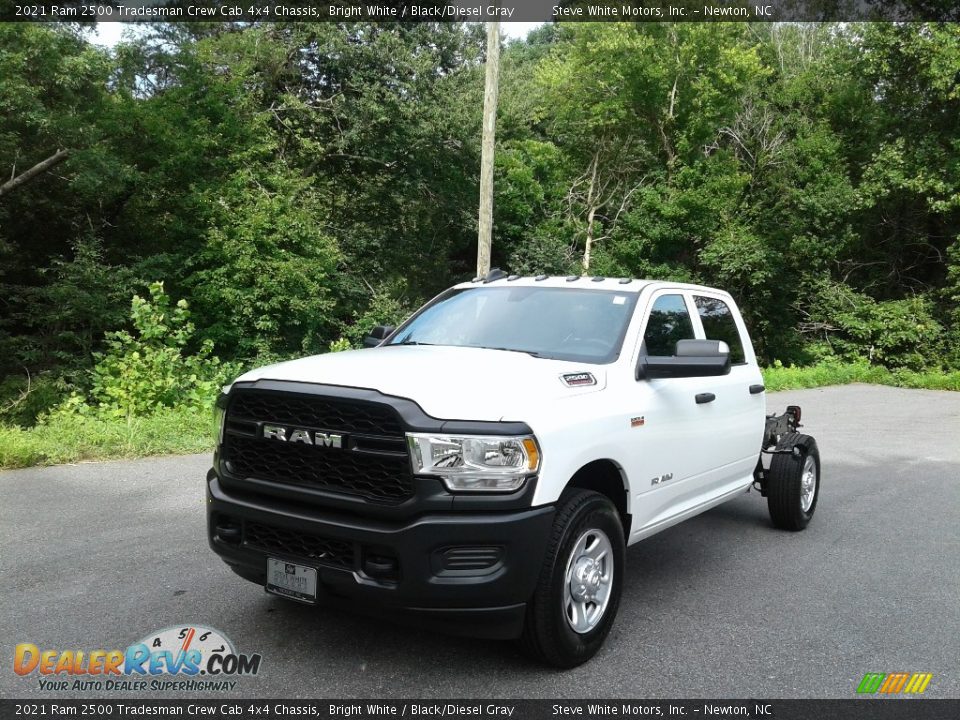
(483,467)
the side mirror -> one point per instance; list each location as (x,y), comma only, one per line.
(377,335)
(691,358)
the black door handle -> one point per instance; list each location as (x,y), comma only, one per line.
(756,389)
(705,398)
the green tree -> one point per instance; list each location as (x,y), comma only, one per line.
(264,274)
(56,169)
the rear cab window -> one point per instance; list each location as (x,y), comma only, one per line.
(719,324)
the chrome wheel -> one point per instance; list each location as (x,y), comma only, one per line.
(808,484)
(588,581)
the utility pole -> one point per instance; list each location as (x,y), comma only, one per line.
(485,224)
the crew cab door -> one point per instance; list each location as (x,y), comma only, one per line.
(737,412)
(696,439)
(671,449)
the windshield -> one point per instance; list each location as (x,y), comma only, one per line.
(559,323)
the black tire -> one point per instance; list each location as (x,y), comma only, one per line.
(785,482)
(547,634)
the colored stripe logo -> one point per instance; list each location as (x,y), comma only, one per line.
(894,683)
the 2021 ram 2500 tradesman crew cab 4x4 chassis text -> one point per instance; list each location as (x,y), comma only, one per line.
(484,467)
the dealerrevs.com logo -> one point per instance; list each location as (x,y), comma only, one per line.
(185,657)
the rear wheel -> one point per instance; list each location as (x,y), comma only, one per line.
(578,593)
(793,482)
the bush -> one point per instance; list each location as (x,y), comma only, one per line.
(24,398)
(148,395)
(82,298)
(149,369)
(339,345)
(892,333)
(387,307)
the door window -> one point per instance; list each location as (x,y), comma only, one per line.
(718,324)
(669,321)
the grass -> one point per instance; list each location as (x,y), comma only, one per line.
(65,438)
(70,438)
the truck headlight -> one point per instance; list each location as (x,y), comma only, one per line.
(470,463)
(219,415)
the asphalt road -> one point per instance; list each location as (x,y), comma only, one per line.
(97,555)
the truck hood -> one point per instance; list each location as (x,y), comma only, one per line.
(450,383)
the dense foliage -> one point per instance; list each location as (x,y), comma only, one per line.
(297,184)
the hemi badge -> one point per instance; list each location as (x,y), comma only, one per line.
(637,421)
(578,379)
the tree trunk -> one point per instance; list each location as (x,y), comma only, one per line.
(485,222)
(591,210)
(27,175)
(589,242)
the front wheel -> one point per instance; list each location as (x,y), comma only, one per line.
(794,482)
(578,592)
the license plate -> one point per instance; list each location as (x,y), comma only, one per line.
(297,582)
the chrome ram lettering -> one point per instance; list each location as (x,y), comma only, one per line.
(299,435)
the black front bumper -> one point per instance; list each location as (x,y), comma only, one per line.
(469,572)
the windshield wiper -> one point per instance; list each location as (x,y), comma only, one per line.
(411,342)
(531,353)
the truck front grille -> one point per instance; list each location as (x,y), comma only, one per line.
(371,463)
(309,411)
(287,543)
(384,479)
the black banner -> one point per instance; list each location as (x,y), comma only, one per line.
(853,709)
(470,10)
